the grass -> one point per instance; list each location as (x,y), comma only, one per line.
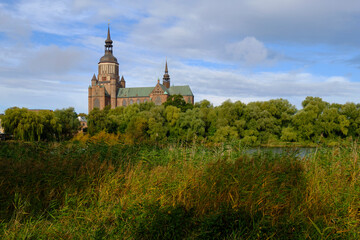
(99,190)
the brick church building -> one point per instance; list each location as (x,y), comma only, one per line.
(108,89)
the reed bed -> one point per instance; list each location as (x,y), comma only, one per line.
(97,190)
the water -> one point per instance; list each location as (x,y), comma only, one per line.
(297,151)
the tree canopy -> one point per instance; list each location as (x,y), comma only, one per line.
(46,125)
(254,123)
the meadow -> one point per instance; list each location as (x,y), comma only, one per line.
(108,190)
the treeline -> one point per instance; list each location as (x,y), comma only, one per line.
(45,125)
(267,122)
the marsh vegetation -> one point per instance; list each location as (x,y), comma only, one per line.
(103,189)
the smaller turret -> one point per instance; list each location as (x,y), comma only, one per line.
(93,80)
(122,82)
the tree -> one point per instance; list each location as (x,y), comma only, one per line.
(190,126)
(289,134)
(178,101)
(225,134)
(306,120)
(68,121)
(352,113)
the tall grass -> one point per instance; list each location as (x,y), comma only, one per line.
(99,190)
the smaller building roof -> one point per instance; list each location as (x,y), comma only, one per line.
(82,119)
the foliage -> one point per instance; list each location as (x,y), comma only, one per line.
(95,189)
(42,125)
(273,122)
(178,101)
(269,122)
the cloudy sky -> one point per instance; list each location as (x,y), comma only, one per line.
(247,50)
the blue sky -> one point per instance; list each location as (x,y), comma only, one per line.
(247,50)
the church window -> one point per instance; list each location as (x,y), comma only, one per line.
(131,101)
(158,101)
(138,101)
(124,103)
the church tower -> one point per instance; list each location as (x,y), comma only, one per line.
(166,78)
(108,67)
(103,90)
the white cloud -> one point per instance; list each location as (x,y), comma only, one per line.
(54,60)
(218,85)
(249,50)
(13,25)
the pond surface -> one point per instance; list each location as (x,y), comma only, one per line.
(297,151)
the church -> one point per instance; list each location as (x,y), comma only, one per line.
(109,89)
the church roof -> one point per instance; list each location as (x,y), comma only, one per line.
(182,90)
(108,58)
(145,91)
(134,92)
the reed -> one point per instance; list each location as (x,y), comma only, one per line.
(110,190)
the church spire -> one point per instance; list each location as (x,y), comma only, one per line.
(108,42)
(108,56)
(166,78)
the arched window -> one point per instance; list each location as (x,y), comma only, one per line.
(124,103)
(131,101)
(145,100)
(138,101)
(96,103)
(158,101)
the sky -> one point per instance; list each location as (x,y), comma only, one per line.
(242,50)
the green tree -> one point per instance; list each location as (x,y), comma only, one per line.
(68,121)
(306,122)
(352,113)
(190,126)
(178,101)
(225,134)
(23,124)
(289,134)
(157,128)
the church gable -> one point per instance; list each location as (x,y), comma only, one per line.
(160,89)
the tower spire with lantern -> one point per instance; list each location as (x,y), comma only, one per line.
(166,78)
